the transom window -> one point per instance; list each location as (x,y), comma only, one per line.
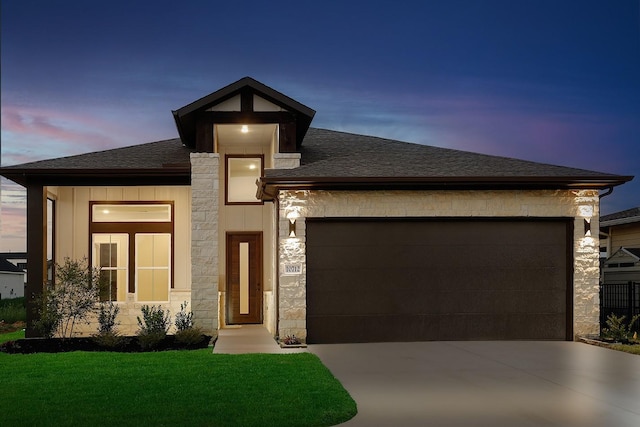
(132,244)
(242,174)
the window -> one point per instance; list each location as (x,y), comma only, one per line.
(242,174)
(152,266)
(110,255)
(132,244)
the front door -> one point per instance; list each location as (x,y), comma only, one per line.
(244,277)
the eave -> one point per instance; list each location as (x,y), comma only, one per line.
(268,187)
(96,177)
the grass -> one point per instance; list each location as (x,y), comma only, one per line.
(13,310)
(627,348)
(190,388)
(11,336)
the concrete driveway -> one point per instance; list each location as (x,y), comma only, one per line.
(510,383)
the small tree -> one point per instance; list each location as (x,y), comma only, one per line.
(70,300)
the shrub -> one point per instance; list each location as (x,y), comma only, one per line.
(186,333)
(13,310)
(70,300)
(108,335)
(184,319)
(617,329)
(49,316)
(107,318)
(153,326)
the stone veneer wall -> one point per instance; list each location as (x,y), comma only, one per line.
(286,160)
(205,186)
(130,310)
(579,205)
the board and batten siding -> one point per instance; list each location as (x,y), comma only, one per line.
(72,235)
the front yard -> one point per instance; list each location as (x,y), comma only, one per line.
(170,388)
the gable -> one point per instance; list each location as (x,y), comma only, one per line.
(246,101)
(624,257)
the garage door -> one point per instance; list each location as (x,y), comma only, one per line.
(420,280)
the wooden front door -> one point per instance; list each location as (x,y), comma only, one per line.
(244,277)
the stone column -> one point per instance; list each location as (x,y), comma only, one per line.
(204,240)
(292,289)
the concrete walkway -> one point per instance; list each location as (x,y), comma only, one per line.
(249,339)
(509,383)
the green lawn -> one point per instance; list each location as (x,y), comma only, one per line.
(627,348)
(186,388)
(11,336)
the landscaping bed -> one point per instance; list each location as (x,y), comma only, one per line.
(124,344)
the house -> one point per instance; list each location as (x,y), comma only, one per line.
(11,280)
(253,216)
(620,229)
(620,242)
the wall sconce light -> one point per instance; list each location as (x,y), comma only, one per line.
(587,227)
(292,227)
(244,129)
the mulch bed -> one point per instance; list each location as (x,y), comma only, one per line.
(127,344)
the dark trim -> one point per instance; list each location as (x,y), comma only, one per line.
(268,187)
(570,279)
(100,177)
(249,118)
(36,253)
(185,117)
(226,177)
(133,228)
(54,209)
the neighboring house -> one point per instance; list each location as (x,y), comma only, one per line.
(253,216)
(620,229)
(11,280)
(620,239)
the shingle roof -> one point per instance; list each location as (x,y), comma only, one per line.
(327,153)
(151,155)
(634,251)
(155,163)
(7,266)
(629,213)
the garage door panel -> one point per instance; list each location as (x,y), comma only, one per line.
(451,327)
(375,280)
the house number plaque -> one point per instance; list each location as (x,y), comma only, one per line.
(293,269)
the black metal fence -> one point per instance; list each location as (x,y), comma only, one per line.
(621,299)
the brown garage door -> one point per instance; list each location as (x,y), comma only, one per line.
(420,280)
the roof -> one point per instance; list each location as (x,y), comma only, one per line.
(186,117)
(162,161)
(329,159)
(6,266)
(624,217)
(634,251)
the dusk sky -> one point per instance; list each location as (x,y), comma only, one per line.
(548,81)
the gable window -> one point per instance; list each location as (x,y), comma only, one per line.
(242,174)
(132,244)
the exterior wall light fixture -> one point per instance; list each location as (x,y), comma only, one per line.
(587,227)
(244,129)
(292,227)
